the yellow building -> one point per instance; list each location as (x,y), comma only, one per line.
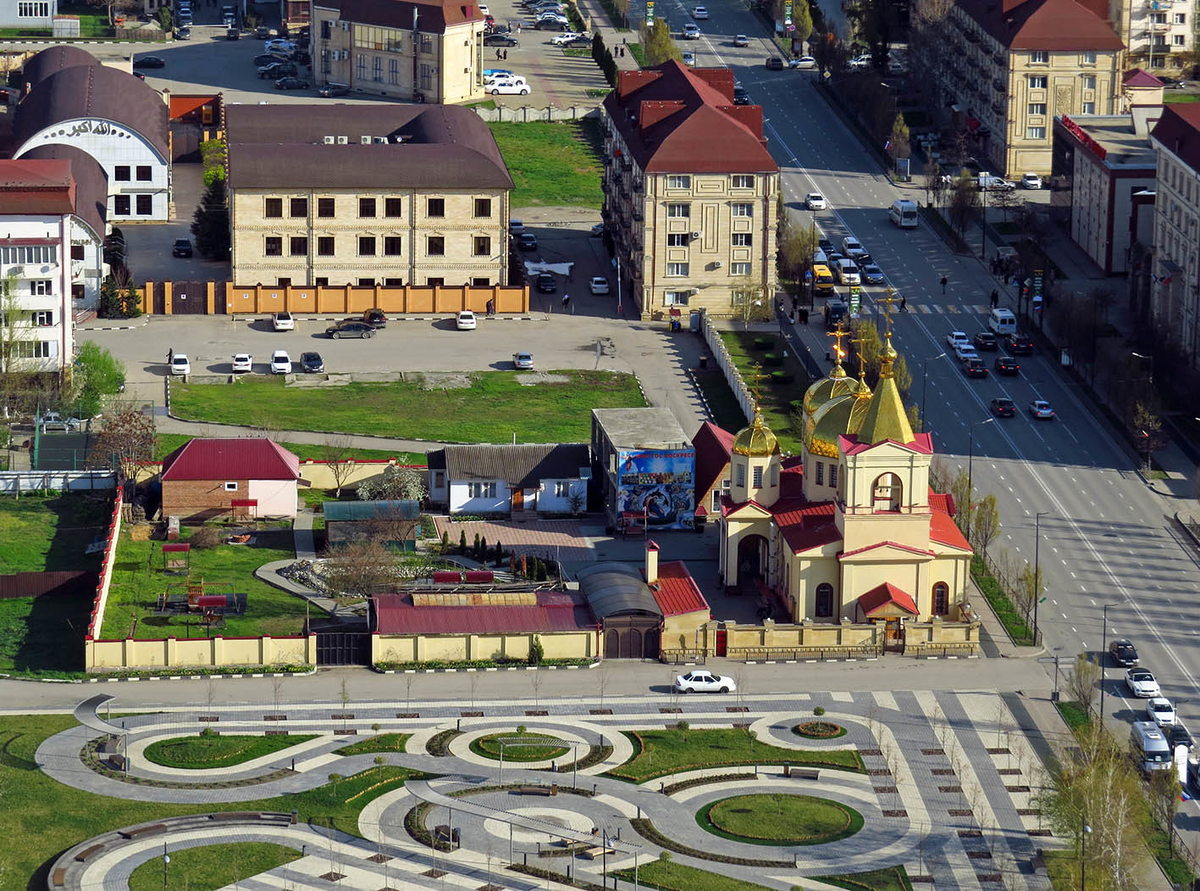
(849,530)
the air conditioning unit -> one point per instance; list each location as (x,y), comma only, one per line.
(381,140)
(330,140)
(695,235)
(16,270)
(718,264)
(343,140)
(364,140)
(345,26)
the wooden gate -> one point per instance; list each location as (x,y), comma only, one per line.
(189,298)
(722,641)
(343,648)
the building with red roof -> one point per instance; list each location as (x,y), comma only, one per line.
(713,448)
(207,478)
(690,191)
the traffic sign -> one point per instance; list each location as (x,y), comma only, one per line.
(808,276)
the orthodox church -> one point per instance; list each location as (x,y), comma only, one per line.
(849,530)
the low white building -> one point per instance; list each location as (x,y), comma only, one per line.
(504,479)
(51,254)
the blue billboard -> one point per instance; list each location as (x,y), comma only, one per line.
(658,484)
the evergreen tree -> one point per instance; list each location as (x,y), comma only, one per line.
(110,299)
(210,223)
(462,542)
(131,303)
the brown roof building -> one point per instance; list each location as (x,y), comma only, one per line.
(690,192)
(1175,283)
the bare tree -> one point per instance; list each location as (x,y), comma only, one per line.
(1081,683)
(125,440)
(337,453)
(113,7)
(964,198)
(15,325)
(360,568)
(985,525)
(396,483)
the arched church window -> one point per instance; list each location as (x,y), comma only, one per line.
(887,493)
(941,599)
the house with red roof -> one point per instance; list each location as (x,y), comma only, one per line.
(714,447)
(690,192)
(207,478)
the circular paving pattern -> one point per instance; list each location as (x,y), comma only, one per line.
(774,818)
(519,747)
(819,730)
(552,815)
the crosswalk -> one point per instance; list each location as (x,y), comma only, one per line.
(947,309)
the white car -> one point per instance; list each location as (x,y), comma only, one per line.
(465,321)
(52,420)
(523,361)
(283,321)
(805,62)
(1031,181)
(1141,683)
(954,338)
(483,9)
(242,362)
(965,351)
(551,16)
(508,87)
(504,78)
(1160,711)
(858,62)
(700,681)
(741,40)
(180,364)
(815,201)
(853,248)
(286,46)
(699,13)
(689,59)
(565,37)
(281,362)
(691,32)
(598,285)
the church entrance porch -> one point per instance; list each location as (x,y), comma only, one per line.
(752,566)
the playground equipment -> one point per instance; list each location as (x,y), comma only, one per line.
(211,601)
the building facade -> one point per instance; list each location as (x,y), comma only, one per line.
(429,51)
(28,14)
(690,193)
(390,195)
(1175,283)
(1155,31)
(644,467)
(206,478)
(511,479)
(1002,71)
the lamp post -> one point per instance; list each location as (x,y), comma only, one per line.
(924,371)
(1103,650)
(166,860)
(1037,571)
(970,462)
(1085,830)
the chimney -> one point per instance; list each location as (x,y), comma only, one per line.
(651,563)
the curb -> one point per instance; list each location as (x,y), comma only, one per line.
(691,373)
(484,670)
(114,327)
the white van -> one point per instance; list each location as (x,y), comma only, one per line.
(903,213)
(1149,747)
(1002,322)
(847,272)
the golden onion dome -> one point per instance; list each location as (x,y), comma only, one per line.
(828,423)
(756,440)
(837,384)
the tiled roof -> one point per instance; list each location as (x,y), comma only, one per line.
(713,448)
(884,594)
(518,465)
(921,442)
(681,120)
(942,502)
(791,478)
(352,511)
(91,182)
(1140,78)
(944,530)
(888,543)
(676,592)
(555,611)
(432,17)
(251,458)
(806,525)
(1052,25)
(1179,132)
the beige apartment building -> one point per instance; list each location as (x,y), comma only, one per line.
(690,192)
(388,195)
(427,50)
(1002,70)
(1175,282)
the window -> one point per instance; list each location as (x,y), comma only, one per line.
(426,43)
(716,500)
(824,601)
(481,490)
(742,210)
(1089,81)
(392,246)
(677,239)
(941,599)
(121,205)
(562,489)
(886,493)
(326,30)
(121,173)
(377,70)
(1178,40)
(1035,132)
(481,282)
(299,207)
(758,476)
(1089,57)
(742,239)
(144,173)
(1037,107)
(326,62)
(144,205)
(833,475)
(677,269)
(35,253)
(366,207)
(231,487)
(272,208)
(435,207)
(739,268)
(393,71)
(435,282)
(366,245)
(362,68)
(1158,18)
(676,298)
(741,475)
(435,246)
(273,246)
(1037,82)
(33,9)
(1089,107)
(41,287)
(426,68)
(322,281)
(393,283)
(1039,57)
(42,318)
(393,207)
(483,207)
(679,181)
(679,210)
(366,282)
(483,246)
(36,349)
(325,246)
(743,181)
(1180,18)
(820,473)
(325,207)
(77,252)
(298,246)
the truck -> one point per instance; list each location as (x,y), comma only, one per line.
(1148,747)
(985,182)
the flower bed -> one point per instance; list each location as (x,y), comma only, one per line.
(819,730)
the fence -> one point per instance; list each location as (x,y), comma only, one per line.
(528,114)
(106,568)
(464,646)
(206,652)
(41,584)
(17,481)
(733,377)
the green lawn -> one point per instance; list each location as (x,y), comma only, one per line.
(210,867)
(1008,615)
(552,164)
(639,55)
(93,22)
(1175,97)
(165,443)
(777,398)
(893,879)
(777,819)
(50,532)
(201,752)
(138,580)
(385,742)
(43,636)
(1074,714)
(726,412)
(493,409)
(489,747)
(661,752)
(676,877)
(47,817)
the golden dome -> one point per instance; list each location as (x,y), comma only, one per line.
(756,440)
(836,418)
(827,388)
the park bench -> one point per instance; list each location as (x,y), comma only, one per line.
(537,790)
(1039,863)
(116,762)
(236,815)
(86,853)
(142,831)
(803,773)
(597,851)
(60,877)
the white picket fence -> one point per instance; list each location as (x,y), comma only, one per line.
(14,482)
(732,376)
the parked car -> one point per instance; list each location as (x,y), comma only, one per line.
(565,37)
(283,321)
(1041,410)
(242,363)
(1179,736)
(281,43)
(281,362)
(342,330)
(582,41)
(180,364)
(546,283)
(489,79)
(523,361)
(774,63)
(598,285)
(515,227)
(1031,181)
(1141,683)
(1160,710)
(974,367)
(233,33)
(374,317)
(465,321)
(53,420)
(311,362)
(740,96)
(741,40)
(183,32)
(1007,365)
(264,59)
(860,62)
(1003,407)
(331,90)
(508,87)
(1123,652)
(804,62)
(262,32)
(292,83)
(699,680)
(527,241)
(986,340)
(150,62)
(181,248)
(276,70)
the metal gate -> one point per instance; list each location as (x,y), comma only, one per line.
(189,298)
(343,648)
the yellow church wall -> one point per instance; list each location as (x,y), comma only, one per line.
(903,528)
(807,573)
(687,631)
(755,523)
(864,469)
(742,641)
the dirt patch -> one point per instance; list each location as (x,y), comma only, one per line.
(536,378)
(451,380)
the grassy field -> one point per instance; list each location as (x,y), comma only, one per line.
(494,408)
(1175,97)
(489,747)
(43,636)
(1008,615)
(777,397)
(552,164)
(201,752)
(210,867)
(676,877)
(726,412)
(138,580)
(660,752)
(39,532)
(894,879)
(773,819)
(385,742)
(93,22)
(165,443)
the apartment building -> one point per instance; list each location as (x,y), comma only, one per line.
(690,192)
(366,195)
(1003,70)
(1155,31)
(430,50)
(1175,282)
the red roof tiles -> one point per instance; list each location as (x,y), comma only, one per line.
(945,531)
(1053,25)
(881,595)
(713,447)
(806,525)
(1139,78)
(921,442)
(676,592)
(251,458)
(555,611)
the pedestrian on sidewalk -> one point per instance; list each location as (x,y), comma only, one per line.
(566,301)
(995,298)
(170,355)
(903,304)
(944,280)
(518,29)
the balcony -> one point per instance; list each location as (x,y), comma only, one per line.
(1159,27)
(626,164)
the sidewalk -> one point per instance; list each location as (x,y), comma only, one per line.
(613,38)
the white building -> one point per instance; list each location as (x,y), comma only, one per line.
(113,116)
(51,253)
(1175,290)
(503,479)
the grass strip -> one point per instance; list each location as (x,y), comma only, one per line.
(778,393)
(779,819)
(892,878)
(1009,616)
(552,164)
(648,831)
(210,867)
(668,876)
(205,752)
(492,745)
(384,743)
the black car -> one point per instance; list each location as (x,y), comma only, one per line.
(262,32)
(740,96)
(1178,735)
(183,32)
(499,40)
(582,42)
(974,368)
(311,362)
(825,244)
(986,340)
(149,62)
(553,25)
(1020,345)
(1123,653)
(376,318)
(262,60)
(277,70)
(182,248)
(527,241)
(1007,365)
(774,63)
(349,329)
(291,83)
(233,34)
(1004,408)
(331,89)
(546,283)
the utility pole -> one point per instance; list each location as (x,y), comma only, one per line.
(1037,571)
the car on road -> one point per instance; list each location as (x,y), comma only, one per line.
(1160,711)
(1123,652)
(815,201)
(741,40)
(331,90)
(699,13)
(524,361)
(232,33)
(1020,345)
(690,32)
(508,87)
(597,230)
(341,330)
(262,32)
(1031,181)
(283,321)
(1007,365)
(861,62)
(1002,407)
(183,32)
(181,248)
(311,362)
(965,351)
(53,420)
(546,283)
(581,41)
(527,241)
(242,362)
(871,274)
(740,96)
(180,364)
(500,40)
(853,248)
(1141,683)
(699,680)
(292,83)
(1179,736)
(375,317)
(150,62)
(281,362)
(1041,410)
(276,70)
(564,38)
(954,338)
(465,321)
(804,63)
(974,367)
(264,59)
(598,285)
(774,63)
(986,340)
(824,244)
(689,59)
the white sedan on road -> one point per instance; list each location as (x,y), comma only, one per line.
(701,681)
(281,362)
(242,362)
(465,321)
(815,201)
(1160,711)
(598,285)
(699,13)
(508,87)
(1141,683)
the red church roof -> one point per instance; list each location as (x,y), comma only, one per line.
(884,594)
(249,458)
(554,611)
(806,525)
(676,592)
(713,447)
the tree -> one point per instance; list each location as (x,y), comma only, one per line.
(749,302)
(1147,429)
(801,17)
(97,374)
(935,183)
(1031,584)
(873,24)
(131,302)
(797,246)
(396,483)
(658,45)
(1081,683)
(337,452)
(125,440)
(1006,200)
(210,223)
(360,568)
(1164,799)
(960,492)
(112,305)
(113,7)
(986,524)
(164,18)
(964,198)
(899,139)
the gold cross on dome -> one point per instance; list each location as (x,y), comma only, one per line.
(838,334)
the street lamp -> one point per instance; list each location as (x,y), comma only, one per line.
(924,371)
(166,860)
(1086,831)
(970,462)
(1037,572)
(1103,650)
